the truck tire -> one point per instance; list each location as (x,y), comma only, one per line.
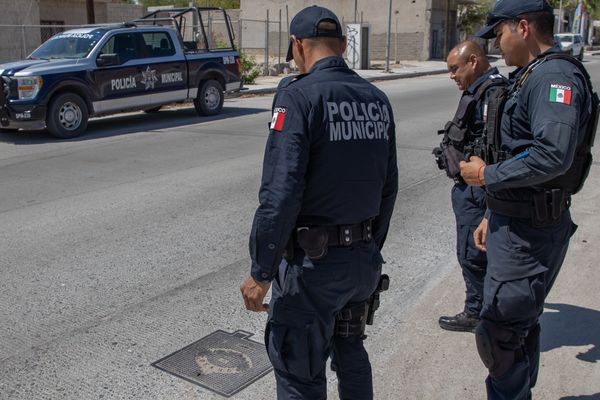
(67,116)
(210,98)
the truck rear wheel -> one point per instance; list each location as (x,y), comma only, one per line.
(210,98)
(67,116)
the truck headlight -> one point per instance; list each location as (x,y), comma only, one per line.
(29,87)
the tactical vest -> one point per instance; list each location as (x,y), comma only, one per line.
(572,180)
(459,142)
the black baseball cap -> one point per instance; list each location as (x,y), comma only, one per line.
(306,25)
(510,9)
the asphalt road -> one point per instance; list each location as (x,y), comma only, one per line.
(129,243)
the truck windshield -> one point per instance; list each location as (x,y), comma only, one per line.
(67,45)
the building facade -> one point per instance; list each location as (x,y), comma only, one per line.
(28,23)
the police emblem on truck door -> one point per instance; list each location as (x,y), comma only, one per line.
(149,77)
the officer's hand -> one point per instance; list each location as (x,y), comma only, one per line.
(254,293)
(480,235)
(472,171)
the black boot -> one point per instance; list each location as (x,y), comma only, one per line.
(461,322)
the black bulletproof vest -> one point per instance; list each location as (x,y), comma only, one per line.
(456,131)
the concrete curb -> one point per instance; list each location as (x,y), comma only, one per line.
(391,76)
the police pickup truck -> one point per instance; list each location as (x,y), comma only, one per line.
(168,56)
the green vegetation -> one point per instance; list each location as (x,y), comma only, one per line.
(473,16)
(593,6)
(248,68)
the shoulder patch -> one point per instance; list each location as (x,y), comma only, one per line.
(559,94)
(278,118)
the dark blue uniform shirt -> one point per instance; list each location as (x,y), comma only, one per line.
(542,125)
(468,202)
(330,159)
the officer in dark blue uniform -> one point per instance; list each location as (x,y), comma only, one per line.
(542,158)
(328,189)
(470,69)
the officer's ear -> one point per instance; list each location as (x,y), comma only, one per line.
(524,28)
(298,44)
(344,44)
(473,60)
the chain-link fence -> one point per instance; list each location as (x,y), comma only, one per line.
(264,40)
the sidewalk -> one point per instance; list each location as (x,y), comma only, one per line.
(406,69)
(433,364)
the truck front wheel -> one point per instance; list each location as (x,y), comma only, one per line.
(67,116)
(210,98)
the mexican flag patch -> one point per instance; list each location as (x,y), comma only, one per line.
(560,94)
(278,118)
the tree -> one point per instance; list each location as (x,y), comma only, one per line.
(593,6)
(473,16)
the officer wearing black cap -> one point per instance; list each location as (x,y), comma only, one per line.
(541,158)
(470,69)
(328,189)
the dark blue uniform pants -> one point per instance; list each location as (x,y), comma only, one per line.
(468,204)
(523,263)
(299,333)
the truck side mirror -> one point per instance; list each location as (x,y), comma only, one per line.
(105,60)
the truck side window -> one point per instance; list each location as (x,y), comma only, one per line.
(158,44)
(123,45)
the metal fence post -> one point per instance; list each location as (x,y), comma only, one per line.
(240,28)
(279,42)
(267,44)
(24,52)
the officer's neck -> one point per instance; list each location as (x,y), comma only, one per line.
(314,56)
(535,49)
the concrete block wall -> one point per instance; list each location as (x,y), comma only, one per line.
(410,21)
(407,46)
(28,14)
(16,42)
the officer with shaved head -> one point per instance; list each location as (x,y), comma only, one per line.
(470,69)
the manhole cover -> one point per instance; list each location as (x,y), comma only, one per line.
(222,362)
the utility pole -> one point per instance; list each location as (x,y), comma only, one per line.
(389,36)
(89,5)
(560,16)
(447,30)
(355,10)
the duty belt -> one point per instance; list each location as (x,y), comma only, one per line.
(544,207)
(315,240)
(345,235)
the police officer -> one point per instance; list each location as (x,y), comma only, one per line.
(328,189)
(541,159)
(471,70)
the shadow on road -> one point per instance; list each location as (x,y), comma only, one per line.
(130,123)
(582,397)
(568,325)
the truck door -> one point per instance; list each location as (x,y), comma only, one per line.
(169,65)
(126,84)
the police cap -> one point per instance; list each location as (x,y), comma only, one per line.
(509,10)
(306,25)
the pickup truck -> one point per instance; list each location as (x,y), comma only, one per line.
(168,56)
